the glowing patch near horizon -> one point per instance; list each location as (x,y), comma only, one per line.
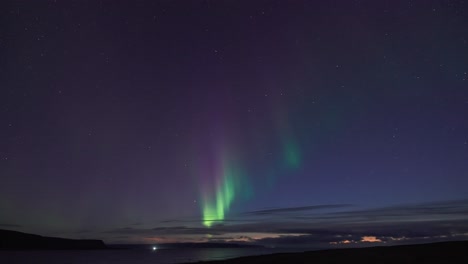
(342,242)
(370,239)
(364,239)
(154,248)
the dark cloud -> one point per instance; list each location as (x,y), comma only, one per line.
(397,224)
(173,230)
(353,233)
(198,221)
(10,225)
(298,209)
(426,211)
(84,231)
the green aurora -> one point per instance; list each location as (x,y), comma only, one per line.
(231,185)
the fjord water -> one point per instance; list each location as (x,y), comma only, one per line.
(130,256)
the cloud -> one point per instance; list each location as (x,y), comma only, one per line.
(370,239)
(171,230)
(444,209)
(298,209)
(427,222)
(10,225)
(198,221)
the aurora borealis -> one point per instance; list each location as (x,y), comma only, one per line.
(228,180)
(284,123)
(228,185)
(231,182)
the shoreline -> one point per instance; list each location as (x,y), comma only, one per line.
(430,253)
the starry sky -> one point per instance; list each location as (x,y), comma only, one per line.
(305,123)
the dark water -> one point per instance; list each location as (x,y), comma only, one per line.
(127,256)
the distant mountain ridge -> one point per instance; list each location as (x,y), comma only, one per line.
(18,240)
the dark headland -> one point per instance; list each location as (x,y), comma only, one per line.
(434,253)
(19,241)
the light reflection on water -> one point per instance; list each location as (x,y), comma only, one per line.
(127,256)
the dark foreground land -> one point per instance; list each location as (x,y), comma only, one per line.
(443,252)
(23,241)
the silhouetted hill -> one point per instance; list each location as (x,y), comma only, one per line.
(18,240)
(435,253)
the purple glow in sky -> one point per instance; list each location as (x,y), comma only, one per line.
(269,122)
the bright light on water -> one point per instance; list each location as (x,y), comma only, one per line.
(154,248)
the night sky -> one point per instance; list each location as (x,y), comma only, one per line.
(305,123)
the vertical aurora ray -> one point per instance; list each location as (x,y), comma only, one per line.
(291,155)
(231,183)
(227,161)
